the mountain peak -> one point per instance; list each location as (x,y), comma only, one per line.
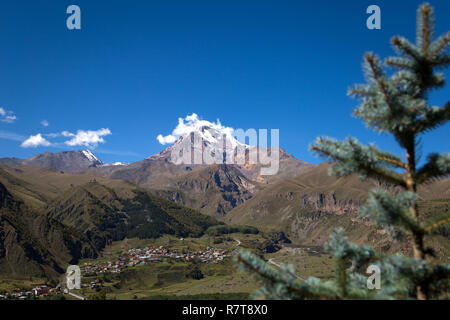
(203,138)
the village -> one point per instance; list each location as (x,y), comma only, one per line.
(141,256)
(41,291)
(130,258)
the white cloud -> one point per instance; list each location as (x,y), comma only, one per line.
(87,138)
(35,141)
(7,116)
(167,139)
(192,123)
(45,123)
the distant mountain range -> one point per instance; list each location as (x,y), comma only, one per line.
(159,168)
(56,208)
(181,183)
(70,161)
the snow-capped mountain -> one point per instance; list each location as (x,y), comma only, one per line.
(203,140)
(69,161)
(207,140)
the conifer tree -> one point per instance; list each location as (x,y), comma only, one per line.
(395,103)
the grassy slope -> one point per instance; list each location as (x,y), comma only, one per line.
(33,244)
(64,209)
(311,205)
(37,185)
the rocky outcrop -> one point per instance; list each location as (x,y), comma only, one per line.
(330,203)
(213,190)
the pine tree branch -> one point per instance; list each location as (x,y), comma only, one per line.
(352,157)
(390,100)
(415,109)
(397,163)
(426,16)
(361,115)
(356,92)
(374,171)
(371,61)
(405,77)
(439,44)
(389,211)
(406,46)
(437,280)
(399,63)
(438,165)
(302,290)
(433,117)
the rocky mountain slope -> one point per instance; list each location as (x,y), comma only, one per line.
(213,190)
(205,143)
(310,206)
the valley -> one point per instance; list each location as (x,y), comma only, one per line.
(119,274)
(156,230)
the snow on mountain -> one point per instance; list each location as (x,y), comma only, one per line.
(191,124)
(196,142)
(90,156)
(202,135)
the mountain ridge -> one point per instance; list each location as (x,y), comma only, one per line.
(159,169)
(70,161)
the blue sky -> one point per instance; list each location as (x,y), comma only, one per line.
(136,66)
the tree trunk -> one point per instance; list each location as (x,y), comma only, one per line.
(418,247)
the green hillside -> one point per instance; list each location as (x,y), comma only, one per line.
(49,219)
(32,244)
